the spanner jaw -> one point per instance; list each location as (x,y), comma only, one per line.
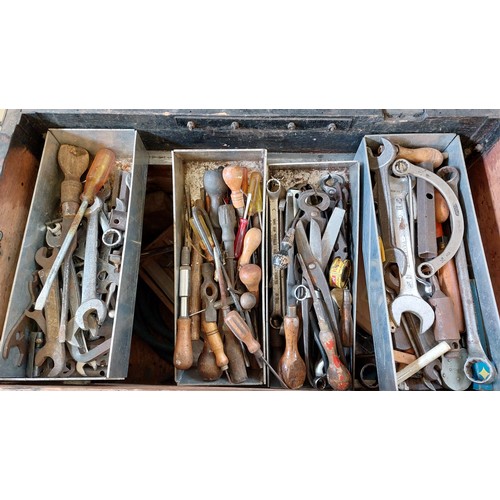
(415,305)
(85,309)
(485,373)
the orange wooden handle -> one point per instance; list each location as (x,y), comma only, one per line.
(241,331)
(338,375)
(448,281)
(441,207)
(233,177)
(291,366)
(251,242)
(183,352)
(250,276)
(421,155)
(98,174)
(214,339)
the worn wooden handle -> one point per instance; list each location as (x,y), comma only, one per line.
(183,352)
(250,276)
(234,352)
(338,375)
(214,339)
(421,155)
(292,368)
(251,242)
(207,367)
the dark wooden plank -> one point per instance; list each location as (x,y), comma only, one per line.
(16,190)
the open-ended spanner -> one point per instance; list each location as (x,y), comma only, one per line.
(428,268)
(409,299)
(476,355)
(90,302)
(53,349)
(273,193)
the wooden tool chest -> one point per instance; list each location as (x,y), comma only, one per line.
(333,135)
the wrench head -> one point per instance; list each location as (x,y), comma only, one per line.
(96,306)
(54,351)
(415,305)
(388,155)
(480,370)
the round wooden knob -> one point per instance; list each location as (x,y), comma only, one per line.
(250,276)
(251,242)
(248,300)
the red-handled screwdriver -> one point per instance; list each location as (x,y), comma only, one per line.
(242,229)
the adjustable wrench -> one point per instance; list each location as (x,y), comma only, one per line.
(90,302)
(487,372)
(409,299)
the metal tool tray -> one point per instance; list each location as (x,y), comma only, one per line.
(128,148)
(449,143)
(187,168)
(286,167)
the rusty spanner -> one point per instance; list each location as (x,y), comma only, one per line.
(53,349)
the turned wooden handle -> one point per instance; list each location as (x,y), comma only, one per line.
(250,276)
(338,375)
(251,242)
(292,368)
(214,339)
(233,177)
(73,161)
(183,352)
(421,155)
(241,331)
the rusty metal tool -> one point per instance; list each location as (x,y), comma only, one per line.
(183,351)
(216,189)
(338,375)
(96,177)
(53,349)
(233,177)
(242,331)
(445,326)
(477,357)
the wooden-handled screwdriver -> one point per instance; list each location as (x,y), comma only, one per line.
(96,178)
(250,275)
(242,331)
(251,242)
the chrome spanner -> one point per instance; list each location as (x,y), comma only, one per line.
(476,353)
(90,301)
(409,299)
(429,268)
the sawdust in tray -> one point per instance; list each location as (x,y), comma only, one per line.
(194,171)
(303,174)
